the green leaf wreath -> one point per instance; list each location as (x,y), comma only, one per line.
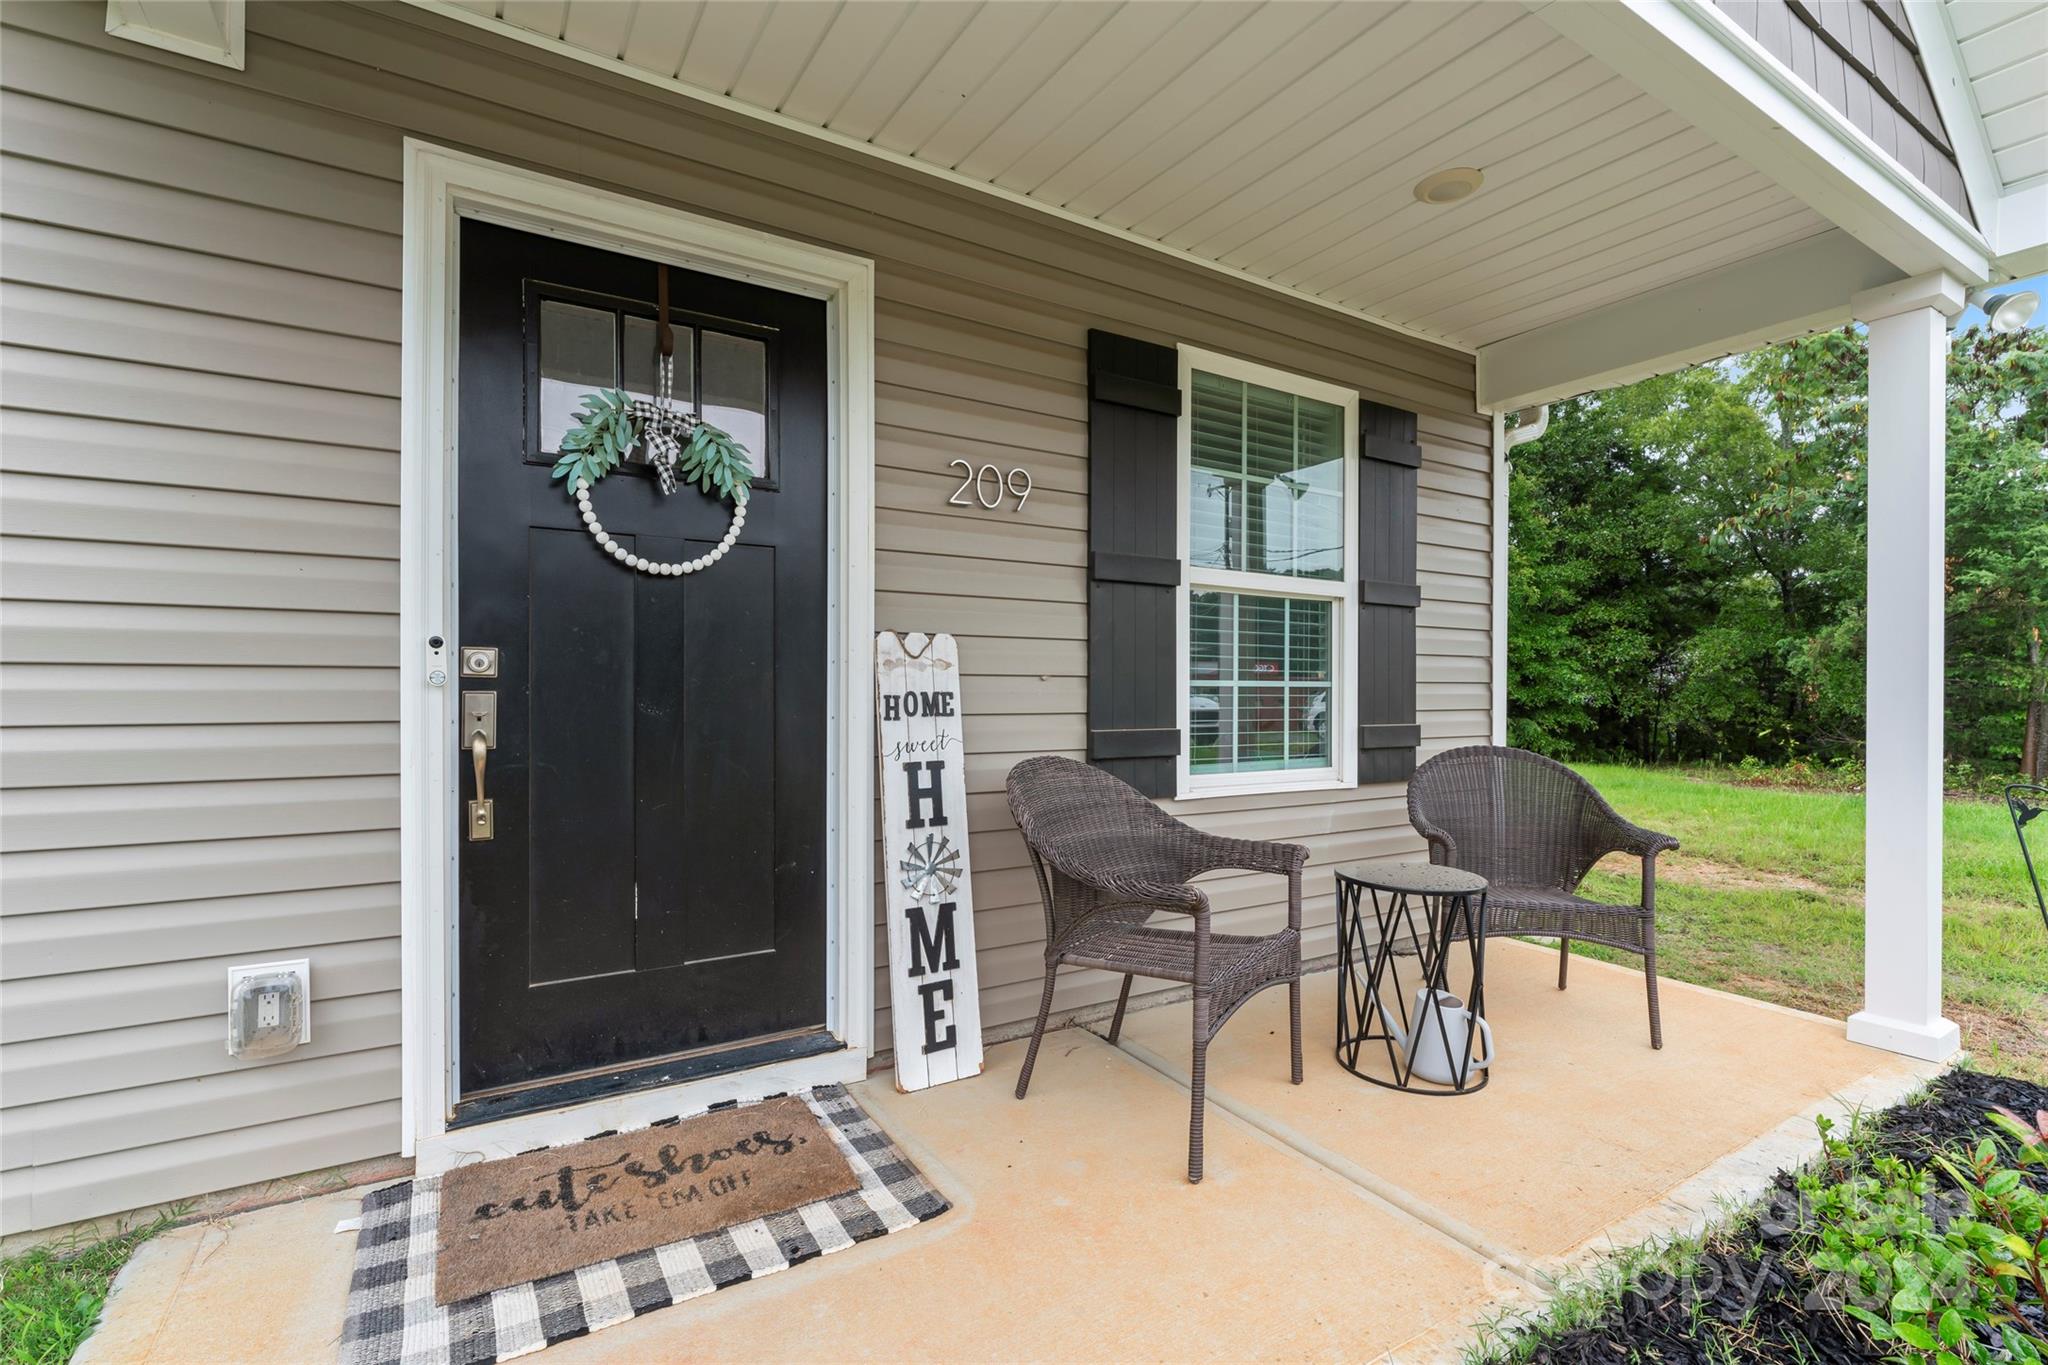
(605,432)
(598,443)
(714,460)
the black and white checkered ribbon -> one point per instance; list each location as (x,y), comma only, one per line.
(663,426)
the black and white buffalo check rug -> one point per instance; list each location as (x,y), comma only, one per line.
(393,1319)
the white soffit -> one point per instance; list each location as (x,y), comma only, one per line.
(1276,141)
(2003,46)
(1987,61)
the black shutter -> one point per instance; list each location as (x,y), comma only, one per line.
(1389,456)
(1133,564)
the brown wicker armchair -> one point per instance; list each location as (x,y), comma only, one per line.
(1106,859)
(1533,828)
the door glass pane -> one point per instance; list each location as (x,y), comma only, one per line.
(1259,695)
(577,346)
(643,353)
(736,394)
(1266,488)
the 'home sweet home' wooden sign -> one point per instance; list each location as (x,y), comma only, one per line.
(934,997)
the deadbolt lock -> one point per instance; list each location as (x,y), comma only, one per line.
(479,661)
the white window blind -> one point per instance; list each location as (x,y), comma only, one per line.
(1267,529)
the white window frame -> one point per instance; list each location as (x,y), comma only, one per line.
(1342,594)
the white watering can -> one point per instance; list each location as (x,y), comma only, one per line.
(1424,1040)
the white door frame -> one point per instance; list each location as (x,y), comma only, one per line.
(442,187)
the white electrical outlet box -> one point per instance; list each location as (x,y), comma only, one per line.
(270,1007)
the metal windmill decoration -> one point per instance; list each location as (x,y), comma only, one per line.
(931,869)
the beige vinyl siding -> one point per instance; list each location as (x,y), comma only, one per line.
(198,493)
(199,489)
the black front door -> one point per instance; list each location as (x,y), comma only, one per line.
(652,902)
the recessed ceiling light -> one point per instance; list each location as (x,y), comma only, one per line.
(1448,187)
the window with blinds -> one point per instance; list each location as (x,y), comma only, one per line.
(1266,644)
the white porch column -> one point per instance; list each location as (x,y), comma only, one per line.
(1497,600)
(1902,908)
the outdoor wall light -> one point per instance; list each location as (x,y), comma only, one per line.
(2008,311)
(1448,187)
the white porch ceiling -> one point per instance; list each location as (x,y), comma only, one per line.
(1281,140)
(2003,45)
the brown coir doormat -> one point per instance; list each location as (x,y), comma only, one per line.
(528,1217)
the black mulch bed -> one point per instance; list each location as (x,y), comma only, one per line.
(1741,1301)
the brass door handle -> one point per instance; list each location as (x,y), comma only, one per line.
(481,819)
(480,724)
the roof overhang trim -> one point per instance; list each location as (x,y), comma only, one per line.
(2014,218)
(1700,63)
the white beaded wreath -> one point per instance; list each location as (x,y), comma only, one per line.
(657,567)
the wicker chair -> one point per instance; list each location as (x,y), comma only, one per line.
(1107,859)
(1533,828)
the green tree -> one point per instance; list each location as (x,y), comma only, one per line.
(1686,562)
(1601,574)
(1772,445)
(1998,551)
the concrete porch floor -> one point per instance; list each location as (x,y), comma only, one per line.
(1337,1220)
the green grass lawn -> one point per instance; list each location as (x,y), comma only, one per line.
(50,1297)
(1766,898)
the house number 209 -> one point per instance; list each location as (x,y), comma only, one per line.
(988,485)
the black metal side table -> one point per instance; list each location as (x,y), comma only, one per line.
(1440,1042)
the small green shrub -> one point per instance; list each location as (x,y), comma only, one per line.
(1938,1274)
(1960,777)
(1844,774)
